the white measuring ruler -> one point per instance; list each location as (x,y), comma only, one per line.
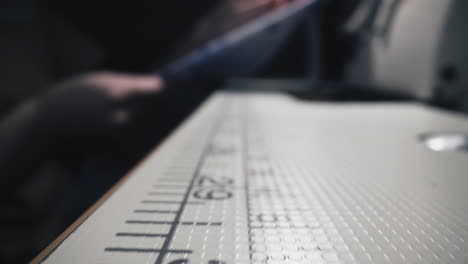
(264,179)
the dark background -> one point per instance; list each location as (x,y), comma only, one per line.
(46,41)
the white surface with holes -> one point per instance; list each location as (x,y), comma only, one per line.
(293,182)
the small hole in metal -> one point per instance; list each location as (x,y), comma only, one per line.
(449,73)
(445,142)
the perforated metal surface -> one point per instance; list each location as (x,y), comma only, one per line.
(262,178)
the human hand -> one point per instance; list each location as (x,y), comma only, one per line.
(93,104)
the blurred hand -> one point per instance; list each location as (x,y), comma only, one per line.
(94,103)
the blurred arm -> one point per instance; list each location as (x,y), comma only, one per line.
(68,117)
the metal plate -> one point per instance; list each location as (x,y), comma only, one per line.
(262,178)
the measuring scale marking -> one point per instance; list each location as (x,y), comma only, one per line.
(224,190)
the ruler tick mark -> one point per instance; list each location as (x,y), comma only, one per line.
(155,211)
(165,193)
(170,186)
(174,223)
(168,202)
(148,250)
(140,235)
